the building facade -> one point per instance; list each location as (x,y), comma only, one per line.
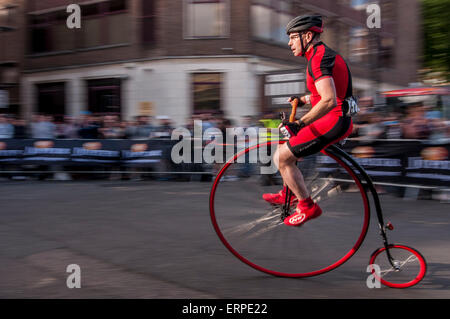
(179,57)
(12,33)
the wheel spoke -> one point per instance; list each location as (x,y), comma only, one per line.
(256,234)
(407,269)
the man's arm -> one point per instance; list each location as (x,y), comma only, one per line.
(327,91)
(305,99)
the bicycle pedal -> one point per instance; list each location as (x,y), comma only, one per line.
(284,215)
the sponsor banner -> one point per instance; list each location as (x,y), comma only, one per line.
(11,151)
(403,162)
(398,162)
(428,164)
(383,161)
(144,153)
(84,152)
(46,151)
(96,152)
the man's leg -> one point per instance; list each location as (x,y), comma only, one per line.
(292,176)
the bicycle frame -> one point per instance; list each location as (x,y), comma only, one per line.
(340,152)
(335,150)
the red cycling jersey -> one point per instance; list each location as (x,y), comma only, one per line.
(334,126)
(323,62)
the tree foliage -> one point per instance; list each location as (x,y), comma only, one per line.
(436,31)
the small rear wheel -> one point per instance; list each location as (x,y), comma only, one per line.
(407,268)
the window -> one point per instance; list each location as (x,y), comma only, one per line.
(49,33)
(117,5)
(206,92)
(388,11)
(118,29)
(386,55)
(92,35)
(40,33)
(261,15)
(206,18)
(269,19)
(8,16)
(103,23)
(359,4)
(40,40)
(359,45)
(104,95)
(51,98)
(148,22)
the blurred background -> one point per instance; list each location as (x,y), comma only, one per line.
(136,69)
(178,58)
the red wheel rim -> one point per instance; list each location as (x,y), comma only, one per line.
(336,264)
(416,280)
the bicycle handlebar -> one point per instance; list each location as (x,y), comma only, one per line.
(294,104)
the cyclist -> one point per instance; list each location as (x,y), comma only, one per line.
(329,82)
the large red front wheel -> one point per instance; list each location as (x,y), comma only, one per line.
(252,230)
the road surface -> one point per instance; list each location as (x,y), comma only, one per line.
(154,239)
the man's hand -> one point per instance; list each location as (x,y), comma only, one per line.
(291,129)
(300,100)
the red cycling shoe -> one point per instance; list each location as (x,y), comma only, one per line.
(278,198)
(302,215)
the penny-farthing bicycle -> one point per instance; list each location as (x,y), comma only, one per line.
(253,231)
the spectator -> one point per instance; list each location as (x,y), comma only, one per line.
(111,128)
(68,128)
(89,128)
(164,129)
(249,122)
(392,128)
(439,134)
(361,119)
(250,138)
(20,129)
(207,120)
(374,129)
(6,128)
(143,128)
(43,127)
(129,128)
(223,125)
(415,125)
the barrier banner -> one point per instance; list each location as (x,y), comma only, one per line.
(84,152)
(396,162)
(11,151)
(143,153)
(403,162)
(96,153)
(428,164)
(46,151)
(383,161)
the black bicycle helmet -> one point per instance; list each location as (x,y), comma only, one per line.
(305,23)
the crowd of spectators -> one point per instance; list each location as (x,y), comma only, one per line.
(417,122)
(87,126)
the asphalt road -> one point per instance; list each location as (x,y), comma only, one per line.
(154,239)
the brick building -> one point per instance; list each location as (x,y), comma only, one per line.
(176,57)
(11,53)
